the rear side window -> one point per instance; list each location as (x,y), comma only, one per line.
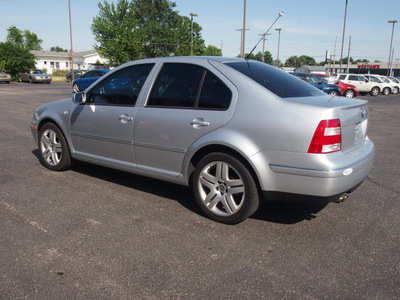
(189,86)
(278,82)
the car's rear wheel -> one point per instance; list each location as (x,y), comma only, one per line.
(349,94)
(224,188)
(76,88)
(375,91)
(53,148)
(386,91)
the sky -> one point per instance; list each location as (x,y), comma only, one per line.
(309,27)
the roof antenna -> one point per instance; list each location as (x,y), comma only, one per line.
(281,14)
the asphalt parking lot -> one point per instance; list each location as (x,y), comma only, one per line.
(96,233)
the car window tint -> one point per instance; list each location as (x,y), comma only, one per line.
(277,81)
(122,87)
(214,93)
(177,85)
(353,77)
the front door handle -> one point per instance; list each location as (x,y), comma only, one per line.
(125,118)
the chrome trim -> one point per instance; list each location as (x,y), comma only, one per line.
(164,148)
(102,138)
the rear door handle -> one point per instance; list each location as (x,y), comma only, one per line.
(199,122)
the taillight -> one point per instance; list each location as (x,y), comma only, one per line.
(327,137)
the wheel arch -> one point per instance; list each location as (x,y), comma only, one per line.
(208,149)
(51,120)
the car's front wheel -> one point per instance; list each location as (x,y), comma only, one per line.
(224,188)
(53,148)
(395,90)
(349,94)
(76,88)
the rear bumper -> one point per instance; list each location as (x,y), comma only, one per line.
(319,180)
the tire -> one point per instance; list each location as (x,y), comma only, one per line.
(333,93)
(225,189)
(53,148)
(386,91)
(349,94)
(375,91)
(395,90)
(76,88)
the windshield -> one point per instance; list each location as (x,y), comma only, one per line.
(277,81)
(36,72)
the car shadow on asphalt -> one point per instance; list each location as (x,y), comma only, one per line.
(283,209)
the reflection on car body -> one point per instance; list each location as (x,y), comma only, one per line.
(232,129)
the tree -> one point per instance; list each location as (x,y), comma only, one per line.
(296,62)
(13,58)
(267,57)
(31,41)
(212,51)
(130,30)
(115,31)
(25,39)
(58,49)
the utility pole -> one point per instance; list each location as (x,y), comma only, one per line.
(243,31)
(264,39)
(348,56)
(191,32)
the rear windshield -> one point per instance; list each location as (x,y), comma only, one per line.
(280,83)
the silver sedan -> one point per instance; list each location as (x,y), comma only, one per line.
(236,131)
(34,75)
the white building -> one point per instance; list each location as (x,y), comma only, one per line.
(52,61)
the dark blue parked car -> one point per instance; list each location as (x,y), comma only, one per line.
(83,82)
(316,81)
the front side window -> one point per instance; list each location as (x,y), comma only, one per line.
(188,86)
(122,87)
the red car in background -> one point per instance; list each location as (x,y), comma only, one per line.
(348,90)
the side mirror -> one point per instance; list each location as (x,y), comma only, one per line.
(79,97)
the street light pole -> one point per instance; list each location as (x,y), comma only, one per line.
(344,30)
(72,50)
(279,41)
(191,32)
(390,50)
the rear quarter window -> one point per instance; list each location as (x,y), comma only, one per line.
(277,81)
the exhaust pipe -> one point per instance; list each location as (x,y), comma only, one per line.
(342,198)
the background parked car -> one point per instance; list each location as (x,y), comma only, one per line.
(363,84)
(386,86)
(316,81)
(83,82)
(34,75)
(4,77)
(396,84)
(77,74)
(348,90)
